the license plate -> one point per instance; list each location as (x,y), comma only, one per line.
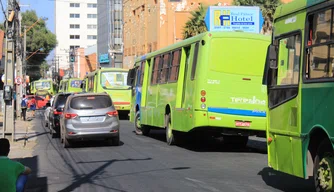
(242,123)
(91,119)
(118,107)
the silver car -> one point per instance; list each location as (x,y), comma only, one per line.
(89,116)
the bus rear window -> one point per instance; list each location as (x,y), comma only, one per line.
(238,56)
(90,102)
(76,83)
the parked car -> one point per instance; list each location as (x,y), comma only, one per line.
(47,111)
(89,116)
(56,111)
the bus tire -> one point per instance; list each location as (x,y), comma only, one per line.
(170,137)
(324,167)
(137,124)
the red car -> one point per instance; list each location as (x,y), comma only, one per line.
(40,101)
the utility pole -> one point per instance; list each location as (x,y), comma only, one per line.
(24,58)
(8,124)
(19,67)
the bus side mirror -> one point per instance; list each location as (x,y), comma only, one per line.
(130,78)
(270,63)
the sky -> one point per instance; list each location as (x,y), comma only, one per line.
(43,8)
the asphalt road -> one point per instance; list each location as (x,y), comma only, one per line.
(144,164)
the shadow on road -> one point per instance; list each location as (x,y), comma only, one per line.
(206,144)
(285,182)
(90,177)
(93,143)
(34,183)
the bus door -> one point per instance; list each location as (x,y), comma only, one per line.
(282,80)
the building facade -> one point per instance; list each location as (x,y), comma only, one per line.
(75,26)
(152,24)
(110,33)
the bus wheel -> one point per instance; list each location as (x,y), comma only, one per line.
(170,137)
(324,168)
(137,124)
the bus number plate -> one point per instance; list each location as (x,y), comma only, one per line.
(118,107)
(242,123)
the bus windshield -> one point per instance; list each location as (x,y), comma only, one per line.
(114,80)
(42,85)
(76,83)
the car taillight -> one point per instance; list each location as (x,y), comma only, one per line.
(55,112)
(112,113)
(70,115)
(203,99)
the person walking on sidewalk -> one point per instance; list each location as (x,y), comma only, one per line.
(33,105)
(13,175)
(24,107)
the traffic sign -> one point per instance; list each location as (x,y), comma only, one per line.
(18,80)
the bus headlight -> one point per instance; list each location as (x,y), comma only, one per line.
(203,106)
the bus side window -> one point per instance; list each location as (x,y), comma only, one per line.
(155,70)
(193,69)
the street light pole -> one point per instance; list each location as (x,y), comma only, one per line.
(24,59)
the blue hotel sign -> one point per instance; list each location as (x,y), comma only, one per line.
(234,18)
(104,58)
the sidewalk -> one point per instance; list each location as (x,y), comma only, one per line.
(25,138)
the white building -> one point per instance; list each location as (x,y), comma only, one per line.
(75,26)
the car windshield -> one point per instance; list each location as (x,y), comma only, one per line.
(91,102)
(61,100)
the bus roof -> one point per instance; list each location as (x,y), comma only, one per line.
(200,37)
(294,6)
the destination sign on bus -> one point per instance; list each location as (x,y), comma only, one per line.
(234,18)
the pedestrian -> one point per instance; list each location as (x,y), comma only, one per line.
(24,107)
(33,105)
(13,175)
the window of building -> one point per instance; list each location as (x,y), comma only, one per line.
(74,47)
(91,16)
(92,5)
(74,4)
(90,26)
(74,26)
(74,36)
(74,15)
(91,37)
(320,46)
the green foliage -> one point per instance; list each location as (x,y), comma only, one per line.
(195,25)
(267,7)
(38,37)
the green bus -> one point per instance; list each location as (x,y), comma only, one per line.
(114,82)
(71,85)
(300,86)
(43,87)
(209,84)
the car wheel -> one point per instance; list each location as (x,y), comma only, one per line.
(115,141)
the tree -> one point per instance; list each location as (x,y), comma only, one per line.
(195,25)
(44,67)
(267,7)
(38,38)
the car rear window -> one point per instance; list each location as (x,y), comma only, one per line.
(91,102)
(61,100)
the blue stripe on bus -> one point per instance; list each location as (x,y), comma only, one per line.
(241,112)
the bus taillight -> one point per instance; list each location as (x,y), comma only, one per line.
(203,99)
